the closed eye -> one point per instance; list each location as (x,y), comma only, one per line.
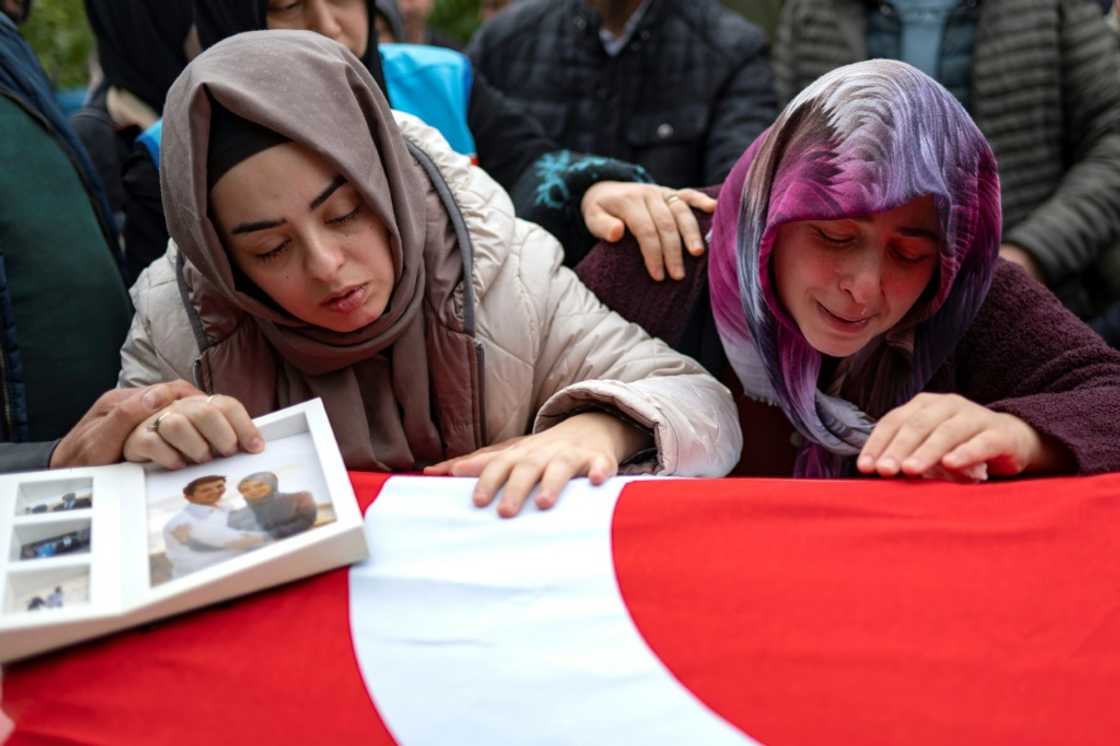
(832,238)
(272,253)
(916,247)
(912,258)
(341,219)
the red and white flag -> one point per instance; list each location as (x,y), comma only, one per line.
(660,611)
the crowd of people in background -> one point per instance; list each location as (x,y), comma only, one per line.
(852,237)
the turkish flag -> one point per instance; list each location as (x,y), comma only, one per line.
(659,611)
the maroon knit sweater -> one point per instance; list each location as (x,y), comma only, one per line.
(1025,355)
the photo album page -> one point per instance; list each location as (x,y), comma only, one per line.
(87,551)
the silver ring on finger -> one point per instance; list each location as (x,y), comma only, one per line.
(672,197)
(154,424)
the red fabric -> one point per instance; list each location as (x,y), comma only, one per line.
(883,613)
(803,612)
(276,667)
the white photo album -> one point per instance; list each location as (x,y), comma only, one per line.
(87,551)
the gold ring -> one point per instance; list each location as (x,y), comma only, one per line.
(154,424)
(672,197)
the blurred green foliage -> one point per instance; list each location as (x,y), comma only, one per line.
(456,18)
(58,32)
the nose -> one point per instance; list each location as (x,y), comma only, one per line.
(861,276)
(323,257)
(320,18)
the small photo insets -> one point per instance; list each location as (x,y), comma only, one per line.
(55,496)
(45,590)
(204,515)
(35,541)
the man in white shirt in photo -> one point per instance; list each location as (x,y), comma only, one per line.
(199,535)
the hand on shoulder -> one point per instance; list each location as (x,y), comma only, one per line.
(659,218)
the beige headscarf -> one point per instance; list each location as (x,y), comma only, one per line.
(375,382)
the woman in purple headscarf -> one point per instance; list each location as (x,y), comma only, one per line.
(853,300)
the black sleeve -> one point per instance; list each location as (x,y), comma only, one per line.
(508,139)
(550,194)
(26,456)
(95,131)
(745,107)
(145,231)
(1108,325)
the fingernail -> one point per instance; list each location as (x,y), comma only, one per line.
(911,464)
(153,398)
(256,444)
(865,463)
(888,464)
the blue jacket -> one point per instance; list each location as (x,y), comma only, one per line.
(432,83)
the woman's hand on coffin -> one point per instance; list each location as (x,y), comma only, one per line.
(937,433)
(659,218)
(590,444)
(194,430)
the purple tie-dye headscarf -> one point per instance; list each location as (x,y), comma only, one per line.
(862,139)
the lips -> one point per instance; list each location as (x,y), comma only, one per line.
(347,299)
(842,322)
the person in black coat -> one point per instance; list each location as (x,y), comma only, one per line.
(142,46)
(680,88)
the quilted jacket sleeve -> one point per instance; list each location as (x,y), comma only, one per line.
(160,345)
(1068,231)
(589,357)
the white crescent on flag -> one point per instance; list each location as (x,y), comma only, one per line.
(509,631)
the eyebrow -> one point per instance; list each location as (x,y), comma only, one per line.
(324,195)
(909,230)
(920,233)
(263,225)
(260,225)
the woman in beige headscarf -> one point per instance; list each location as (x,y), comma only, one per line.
(318,252)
